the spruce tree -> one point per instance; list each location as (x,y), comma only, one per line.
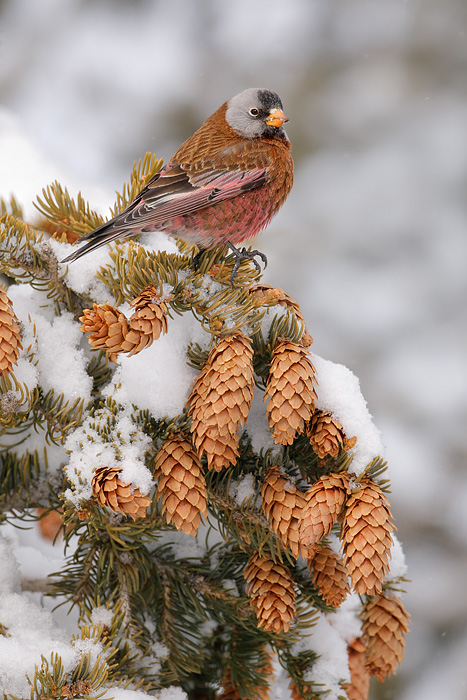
(215,542)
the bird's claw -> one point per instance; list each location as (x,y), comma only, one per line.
(245,254)
(197,259)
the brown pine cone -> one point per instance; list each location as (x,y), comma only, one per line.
(220,400)
(107,327)
(290,389)
(359,686)
(282,503)
(10,337)
(50,523)
(181,484)
(149,319)
(271,591)
(385,624)
(324,501)
(110,491)
(326,434)
(110,330)
(329,575)
(366,536)
(266,295)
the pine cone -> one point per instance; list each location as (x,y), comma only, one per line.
(111,331)
(220,400)
(282,503)
(271,591)
(181,484)
(290,390)
(385,624)
(10,337)
(324,501)
(326,434)
(110,491)
(266,295)
(329,575)
(149,319)
(108,329)
(359,686)
(366,535)
(50,523)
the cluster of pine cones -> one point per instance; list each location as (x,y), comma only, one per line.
(218,406)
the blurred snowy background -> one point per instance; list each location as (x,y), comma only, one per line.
(372,242)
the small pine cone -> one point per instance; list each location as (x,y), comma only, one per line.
(220,400)
(108,329)
(282,503)
(366,536)
(110,491)
(181,484)
(266,295)
(10,337)
(324,501)
(359,686)
(50,523)
(271,591)
(149,319)
(326,434)
(385,624)
(329,575)
(291,391)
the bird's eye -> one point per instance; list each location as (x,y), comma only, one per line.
(254,112)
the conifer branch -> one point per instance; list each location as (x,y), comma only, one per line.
(205,618)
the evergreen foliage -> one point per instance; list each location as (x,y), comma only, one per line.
(179,615)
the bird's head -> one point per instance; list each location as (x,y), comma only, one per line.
(256,112)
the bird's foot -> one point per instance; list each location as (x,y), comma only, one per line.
(245,254)
(197,259)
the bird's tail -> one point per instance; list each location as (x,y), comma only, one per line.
(100,236)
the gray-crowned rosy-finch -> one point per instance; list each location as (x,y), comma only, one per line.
(222,186)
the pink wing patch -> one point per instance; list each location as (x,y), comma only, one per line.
(175,193)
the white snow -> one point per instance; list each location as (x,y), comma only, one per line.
(172,693)
(245,489)
(124,448)
(167,376)
(346,619)
(27,375)
(59,361)
(339,391)
(331,666)
(102,616)
(81,275)
(397,565)
(31,631)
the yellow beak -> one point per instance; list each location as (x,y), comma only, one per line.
(276,117)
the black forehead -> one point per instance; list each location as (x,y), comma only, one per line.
(269,99)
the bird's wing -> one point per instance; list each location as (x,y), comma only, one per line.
(172,192)
(175,192)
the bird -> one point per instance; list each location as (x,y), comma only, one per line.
(221,187)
